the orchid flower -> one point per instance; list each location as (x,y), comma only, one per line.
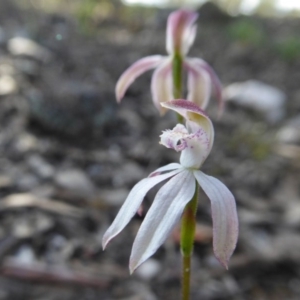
(201,78)
(194,142)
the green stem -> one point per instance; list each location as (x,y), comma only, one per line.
(188,227)
(177,79)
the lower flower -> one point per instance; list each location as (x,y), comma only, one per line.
(195,143)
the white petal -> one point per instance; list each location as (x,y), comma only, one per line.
(162,216)
(132,204)
(224,216)
(169,167)
(161,85)
(134,71)
(199,85)
(200,64)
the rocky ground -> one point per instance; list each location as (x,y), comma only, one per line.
(70,154)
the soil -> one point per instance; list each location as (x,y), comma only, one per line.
(70,155)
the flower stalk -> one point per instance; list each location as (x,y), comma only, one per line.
(188,221)
(188,227)
(177,63)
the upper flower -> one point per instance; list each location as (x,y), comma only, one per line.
(195,142)
(181,32)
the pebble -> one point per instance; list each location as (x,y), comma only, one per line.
(41,167)
(129,173)
(114,197)
(25,255)
(76,182)
(8,85)
(258,96)
(149,269)
(290,133)
(21,46)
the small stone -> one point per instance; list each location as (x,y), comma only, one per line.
(129,173)
(8,85)
(149,269)
(114,197)
(26,182)
(25,255)
(76,182)
(21,46)
(41,167)
(290,133)
(26,142)
(258,96)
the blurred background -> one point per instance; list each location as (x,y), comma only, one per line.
(70,154)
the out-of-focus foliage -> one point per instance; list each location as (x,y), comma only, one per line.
(89,11)
(254,143)
(289,48)
(266,8)
(246,32)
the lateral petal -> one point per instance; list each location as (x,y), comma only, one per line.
(202,65)
(199,85)
(169,167)
(134,71)
(224,216)
(161,85)
(132,204)
(162,216)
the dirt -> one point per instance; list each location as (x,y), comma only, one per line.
(70,155)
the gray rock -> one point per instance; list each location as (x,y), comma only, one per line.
(258,96)
(76,182)
(290,133)
(8,85)
(26,181)
(114,197)
(21,46)
(41,167)
(149,269)
(25,255)
(129,173)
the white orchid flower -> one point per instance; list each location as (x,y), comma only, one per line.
(201,78)
(195,143)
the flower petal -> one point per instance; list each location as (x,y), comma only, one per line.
(224,216)
(203,66)
(169,167)
(161,85)
(132,204)
(199,85)
(134,71)
(162,216)
(194,114)
(181,31)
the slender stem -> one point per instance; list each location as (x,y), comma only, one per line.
(186,274)
(177,79)
(188,224)
(188,227)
